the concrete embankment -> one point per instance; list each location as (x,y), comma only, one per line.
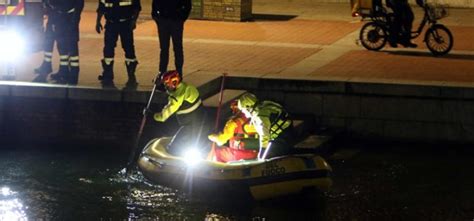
(41,113)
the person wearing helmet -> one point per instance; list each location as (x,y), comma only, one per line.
(241,136)
(185,103)
(271,121)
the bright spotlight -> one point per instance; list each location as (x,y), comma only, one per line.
(192,156)
(12,45)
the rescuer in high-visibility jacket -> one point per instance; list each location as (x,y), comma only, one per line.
(241,136)
(185,103)
(274,127)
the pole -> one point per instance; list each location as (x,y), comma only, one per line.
(265,152)
(132,160)
(211,154)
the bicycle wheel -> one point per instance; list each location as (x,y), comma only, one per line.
(373,36)
(439,40)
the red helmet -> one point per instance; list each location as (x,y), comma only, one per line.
(170,79)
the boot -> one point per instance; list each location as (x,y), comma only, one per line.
(392,41)
(132,80)
(61,76)
(107,76)
(44,69)
(408,44)
(73,78)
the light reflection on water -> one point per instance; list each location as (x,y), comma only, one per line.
(370,185)
(11,208)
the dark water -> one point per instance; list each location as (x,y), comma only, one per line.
(376,183)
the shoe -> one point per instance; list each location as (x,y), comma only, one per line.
(107,76)
(132,80)
(408,44)
(392,41)
(393,44)
(73,77)
(60,77)
(131,85)
(44,69)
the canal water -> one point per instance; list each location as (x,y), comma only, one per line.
(371,182)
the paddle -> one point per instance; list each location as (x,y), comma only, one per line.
(211,154)
(132,160)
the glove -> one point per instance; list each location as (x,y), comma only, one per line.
(98,27)
(159,117)
(133,24)
(212,137)
(159,85)
(157,80)
(215,138)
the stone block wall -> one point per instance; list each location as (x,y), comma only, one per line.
(196,11)
(81,116)
(70,122)
(75,115)
(376,111)
(227,10)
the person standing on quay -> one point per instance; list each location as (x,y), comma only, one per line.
(121,19)
(64,29)
(170,16)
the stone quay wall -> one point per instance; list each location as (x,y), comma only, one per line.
(77,115)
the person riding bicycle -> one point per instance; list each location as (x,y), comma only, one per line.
(402,23)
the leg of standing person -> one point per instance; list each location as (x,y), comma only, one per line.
(73,78)
(201,129)
(46,67)
(181,140)
(63,44)
(407,18)
(127,40)
(397,24)
(164,36)
(177,37)
(74,53)
(110,42)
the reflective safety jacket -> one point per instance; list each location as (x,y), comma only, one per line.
(239,132)
(270,120)
(119,10)
(183,101)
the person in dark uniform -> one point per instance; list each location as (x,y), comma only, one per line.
(170,16)
(121,18)
(48,44)
(65,16)
(402,24)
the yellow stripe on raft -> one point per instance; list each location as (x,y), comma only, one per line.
(266,191)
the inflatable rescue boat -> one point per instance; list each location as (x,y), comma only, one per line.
(264,179)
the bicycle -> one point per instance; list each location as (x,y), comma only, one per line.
(375,34)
